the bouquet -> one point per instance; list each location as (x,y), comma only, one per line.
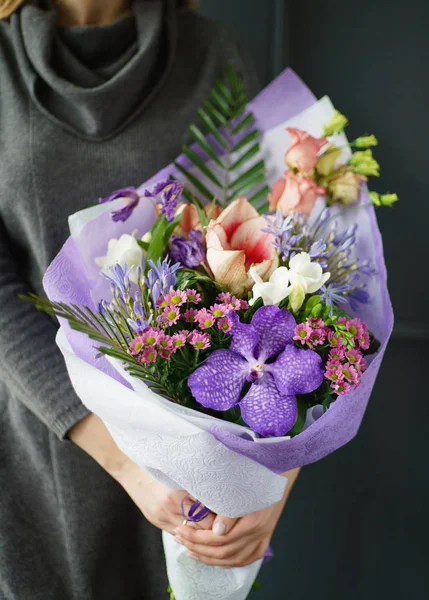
(228,318)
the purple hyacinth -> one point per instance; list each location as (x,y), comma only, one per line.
(189,252)
(264,355)
(168,193)
(130,194)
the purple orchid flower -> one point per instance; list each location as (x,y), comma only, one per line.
(169,194)
(263,354)
(189,252)
(131,195)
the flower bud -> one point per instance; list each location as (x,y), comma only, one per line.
(335,125)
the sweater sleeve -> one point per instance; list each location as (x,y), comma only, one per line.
(31,363)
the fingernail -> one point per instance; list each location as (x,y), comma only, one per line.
(219,528)
(175,531)
(192,555)
(178,540)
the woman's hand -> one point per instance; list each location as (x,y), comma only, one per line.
(235,542)
(159,504)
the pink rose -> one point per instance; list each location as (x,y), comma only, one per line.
(303,150)
(235,242)
(296,193)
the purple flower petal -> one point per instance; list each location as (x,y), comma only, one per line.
(244,337)
(218,382)
(276,328)
(266,411)
(296,371)
(124,213)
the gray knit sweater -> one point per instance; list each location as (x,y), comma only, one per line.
(83,111)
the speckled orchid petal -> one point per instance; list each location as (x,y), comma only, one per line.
(266,411)
(245,338)
(276,328)
(218,382)
(296,371)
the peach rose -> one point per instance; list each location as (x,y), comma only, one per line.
(235,243)
(296,193)
(303,150)
(346,188)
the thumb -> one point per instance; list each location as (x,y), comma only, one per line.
(223,525)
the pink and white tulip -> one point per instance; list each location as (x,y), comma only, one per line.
(235,243)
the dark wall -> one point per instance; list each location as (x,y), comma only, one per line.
(356,525)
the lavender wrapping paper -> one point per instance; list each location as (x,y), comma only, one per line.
(65,281)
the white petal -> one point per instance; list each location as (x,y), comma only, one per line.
(255,275)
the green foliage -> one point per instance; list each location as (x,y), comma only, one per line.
(161,232)
(302,414)
(227,136)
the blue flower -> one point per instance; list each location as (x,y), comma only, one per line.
(161,278)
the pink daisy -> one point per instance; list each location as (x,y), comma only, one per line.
(224,297)
(336,353)
(316,337)
(355,358)
(192,296)
(162,302)
(150,336)
(350,373)
(178,340)
(164,341)
(171,315)
(149,355)
(235,303)
(225,324)
(166,353)
(333,370)
(341,387)
(191,315)
(205,319)
(200,341)
(220,310)
(176,297)
(302,333)
(244,304)
(316,323)
(335,341)
(364,340)
(136,345)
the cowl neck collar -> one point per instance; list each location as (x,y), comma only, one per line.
(96,94)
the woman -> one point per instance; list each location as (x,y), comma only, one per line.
(94,96)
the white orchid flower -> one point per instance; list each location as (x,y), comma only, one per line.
(123,251)
(272,291)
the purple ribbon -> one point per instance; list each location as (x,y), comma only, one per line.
(196,513)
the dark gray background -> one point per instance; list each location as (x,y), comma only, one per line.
(356,525)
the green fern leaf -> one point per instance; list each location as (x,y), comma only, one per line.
(225,122)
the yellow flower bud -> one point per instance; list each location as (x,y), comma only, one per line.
(375,198)
(388,199)
(326,162)
(147,238)
(335,125)
(365,141)
(364,163)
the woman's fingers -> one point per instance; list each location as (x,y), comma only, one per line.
(243,558)
(241,529)
(223,552)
